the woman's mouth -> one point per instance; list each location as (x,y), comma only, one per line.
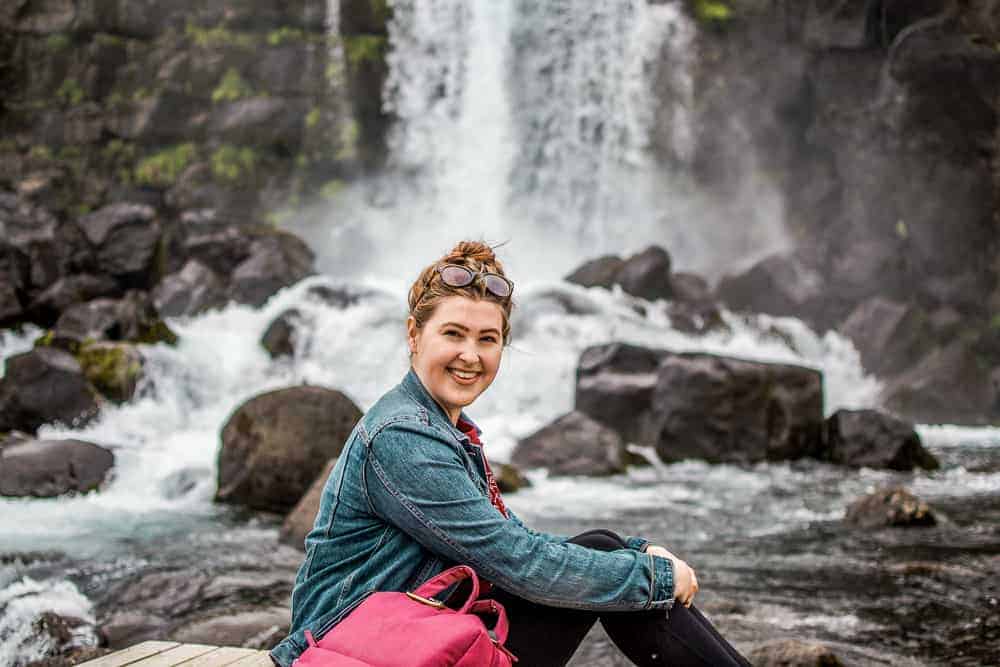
(463,377)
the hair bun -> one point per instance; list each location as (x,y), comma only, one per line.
(475,252)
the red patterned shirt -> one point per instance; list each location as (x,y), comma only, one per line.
(470,430)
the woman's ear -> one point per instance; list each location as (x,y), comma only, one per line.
(412,333)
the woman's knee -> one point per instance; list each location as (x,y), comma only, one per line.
(600,539)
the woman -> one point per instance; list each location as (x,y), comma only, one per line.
(412,494)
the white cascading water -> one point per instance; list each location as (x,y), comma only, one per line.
(486,147)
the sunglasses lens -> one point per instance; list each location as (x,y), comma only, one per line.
(456,276)
(497,285)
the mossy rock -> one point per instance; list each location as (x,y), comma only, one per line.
(157,332)
(113,368)
(509,477)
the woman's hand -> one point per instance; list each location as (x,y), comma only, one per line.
(685,581)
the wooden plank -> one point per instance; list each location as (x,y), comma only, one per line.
(220,657)
(262,659)
(174,656)
(131,654)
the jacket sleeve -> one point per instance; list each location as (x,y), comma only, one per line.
(635,543)
(417,481)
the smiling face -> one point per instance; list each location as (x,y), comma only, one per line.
(456,354)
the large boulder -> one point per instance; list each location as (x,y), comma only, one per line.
(47,468)
(893,507)
(600,272)
(113,368)
(723,409)
(45,385)
(574,444)
(69,291)
(614,385)
(132,318)
(190,291)
(889,335)
(872,439)
(279,337)
(125,238)
(647,274)
(274,262)
(300,520)
(793,653)
(275,444)
(778,285)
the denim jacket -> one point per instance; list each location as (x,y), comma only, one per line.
(408,499)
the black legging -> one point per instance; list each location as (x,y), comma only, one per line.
(548,636)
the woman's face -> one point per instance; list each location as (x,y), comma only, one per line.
(457,353)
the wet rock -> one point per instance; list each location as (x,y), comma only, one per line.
(695,317)
(948,386)
(339,297)
(574,444)
(132,318)
(793,653)
(260,121)
(722,409)
(127,627)
(219,246)
(182,482)
(647,274)
(614,385)
(242,628)
(113,368)
(777,285)
(279,338)
(69,291)
(10,304)
(895,507)
(47,468)
(509,478)
(125,238)
(888,334)
(275,262)
(274,445)
(872,439)
(164,594)
(300,520)
(600,272)
(192,290)
(685,286)
(42,386)
(67,640)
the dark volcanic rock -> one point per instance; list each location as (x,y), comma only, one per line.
(722,409)
(274,445)
(614,385)
(600,272)
(889,507)
(46,468)
(132,318)
(778,285)
(42,386)
(793,653)
(192,290)
(574,444)
(125,238)
(279,337)
(888,334)
(275,262)
(69,291)
(509,478)
(647,274)
(868,438)
(300,520)
(113,368)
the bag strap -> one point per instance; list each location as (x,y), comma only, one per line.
(493,608)
(453,575)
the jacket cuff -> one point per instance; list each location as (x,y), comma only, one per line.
(662,583)
(636,543)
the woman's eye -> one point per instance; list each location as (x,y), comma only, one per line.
(490,339)
(451,333)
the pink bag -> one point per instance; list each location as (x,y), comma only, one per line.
(411,630)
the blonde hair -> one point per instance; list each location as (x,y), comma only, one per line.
(429,290)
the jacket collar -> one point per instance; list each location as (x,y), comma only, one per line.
(412,385)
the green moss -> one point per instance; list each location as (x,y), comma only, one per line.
(70,92)
(164,168)
(141,93)
(58,42)
(995,322)
(361,49)
(712,10)
(313,118)
(281,216)
(112,369)
(117,151)
(232,87)
(80,210)
(349,134)
(45,340)
(332,188)
(218,36)
(40,153)
(233,164)
(902,231)
(158,332)
(285,34)
(69,153)
(105,39)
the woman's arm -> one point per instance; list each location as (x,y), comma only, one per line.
(417,481)
(636,543)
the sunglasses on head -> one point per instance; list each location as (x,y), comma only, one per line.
(454,275)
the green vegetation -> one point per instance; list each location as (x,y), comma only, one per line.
(233,164)
(331,189)
(712,10)
(58,41)
(313,118)
(40,153)
(361,49)
(902,231)
(106,39)
(218,36)
(995,321)
(70,92)
(349,134)
(164,168)
(232,87)
(45,340)
(285,34)
(110,368)
(116,151)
